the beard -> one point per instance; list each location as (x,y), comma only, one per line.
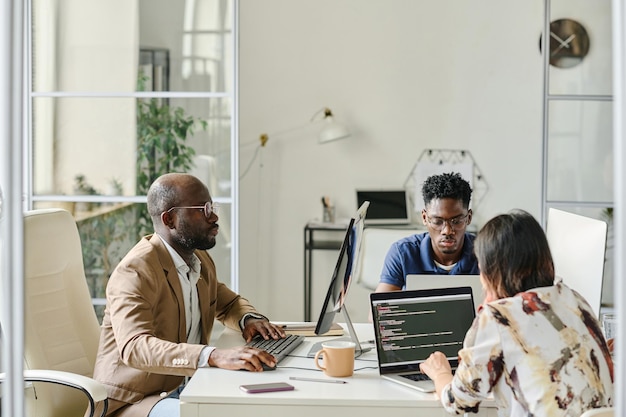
(193,238)
(449,249)
(198,242)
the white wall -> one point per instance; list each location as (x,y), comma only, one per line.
(405,75)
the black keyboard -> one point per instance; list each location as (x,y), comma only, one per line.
(416,377)
(278,348)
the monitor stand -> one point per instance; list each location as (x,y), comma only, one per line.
(358,349)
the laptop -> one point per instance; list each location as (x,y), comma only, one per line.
(387,207)
(410,325)
(426,281)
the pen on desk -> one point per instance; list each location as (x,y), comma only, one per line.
(330,381)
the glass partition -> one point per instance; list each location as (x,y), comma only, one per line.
(85,46)
(123,91)
(118,146)
(580,157)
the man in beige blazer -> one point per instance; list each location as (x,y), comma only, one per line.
(162,300)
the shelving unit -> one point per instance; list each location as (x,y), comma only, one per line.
(332,242)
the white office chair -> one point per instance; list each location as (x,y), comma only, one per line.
(599,412)
(60,325)
(375,245)
(578,246)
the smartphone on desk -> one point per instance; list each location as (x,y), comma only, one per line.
(267,387)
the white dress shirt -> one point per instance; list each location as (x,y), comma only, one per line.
(189,277)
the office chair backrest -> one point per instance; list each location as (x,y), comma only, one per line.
(578,246)
(60,324)
(374,247)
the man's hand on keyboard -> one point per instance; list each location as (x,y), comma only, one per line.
(262,327)
(242,357)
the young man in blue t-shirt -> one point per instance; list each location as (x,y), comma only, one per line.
(446,248)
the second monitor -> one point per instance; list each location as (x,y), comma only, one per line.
(386,207)
(335,299)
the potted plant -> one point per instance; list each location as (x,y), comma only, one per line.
(162,134)
(82,187)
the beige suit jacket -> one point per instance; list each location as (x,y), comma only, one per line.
(143,351)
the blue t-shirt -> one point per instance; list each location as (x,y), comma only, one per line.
(413,255)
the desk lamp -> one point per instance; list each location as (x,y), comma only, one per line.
(330,132)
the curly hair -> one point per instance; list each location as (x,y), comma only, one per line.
(450,185)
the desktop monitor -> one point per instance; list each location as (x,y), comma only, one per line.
(386,206)
(347,262)
(578,246)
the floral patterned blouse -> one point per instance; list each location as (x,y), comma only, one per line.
(540,353)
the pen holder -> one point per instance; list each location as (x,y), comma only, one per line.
(329,214)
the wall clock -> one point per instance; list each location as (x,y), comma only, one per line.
(569,43)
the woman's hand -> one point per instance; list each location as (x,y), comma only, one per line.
(438,369)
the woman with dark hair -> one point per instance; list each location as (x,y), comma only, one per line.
(535,345)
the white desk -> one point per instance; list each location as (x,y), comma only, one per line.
(216,392)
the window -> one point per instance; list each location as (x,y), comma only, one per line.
(110,78)
(578,124)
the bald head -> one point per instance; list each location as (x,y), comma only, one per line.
(176,203)
(170,190)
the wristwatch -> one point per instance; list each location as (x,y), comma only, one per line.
(242,322)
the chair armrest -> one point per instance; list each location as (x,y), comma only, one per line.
(94,391)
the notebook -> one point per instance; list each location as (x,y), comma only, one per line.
(308,329)
(387,207)
(423,282)
(410,325)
